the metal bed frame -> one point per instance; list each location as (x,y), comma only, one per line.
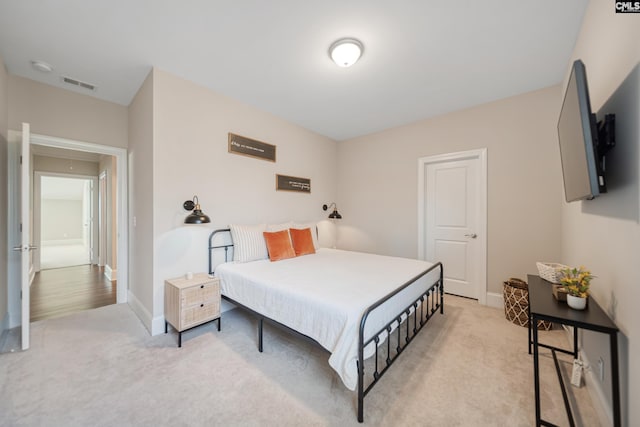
(413,317)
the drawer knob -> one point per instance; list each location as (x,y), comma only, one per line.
(201,305)
(201,286)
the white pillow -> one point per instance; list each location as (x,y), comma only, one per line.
(248,242)
(279,227)
(314,231)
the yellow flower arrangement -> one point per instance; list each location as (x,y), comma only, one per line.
(576,281)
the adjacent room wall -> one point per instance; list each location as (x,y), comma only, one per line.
(65,166)
(108,165)
(190,157)
(4,203)
(604,234)
(378,182)
(57,112)
(61,221)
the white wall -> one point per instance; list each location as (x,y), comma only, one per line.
(378,182)
(190,157)
(4,118)
(604,234)
(62,220)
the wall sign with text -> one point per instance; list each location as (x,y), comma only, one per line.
(250,147)
(293,183)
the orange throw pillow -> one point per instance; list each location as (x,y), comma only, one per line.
(302,241)
(279,245)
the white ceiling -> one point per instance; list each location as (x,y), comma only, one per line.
(422,58)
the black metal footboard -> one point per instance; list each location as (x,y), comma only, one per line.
(414,317)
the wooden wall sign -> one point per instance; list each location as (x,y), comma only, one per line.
(250,147)
(293,183)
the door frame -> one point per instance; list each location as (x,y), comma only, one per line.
(37,213)
(482,240)
(122,274)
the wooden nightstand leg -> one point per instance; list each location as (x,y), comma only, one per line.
(179,339)
(219,319)
(165,326)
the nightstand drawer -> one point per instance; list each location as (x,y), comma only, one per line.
(199,294)
(200,313)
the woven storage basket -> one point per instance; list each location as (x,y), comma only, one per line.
(550,271)
(516,304)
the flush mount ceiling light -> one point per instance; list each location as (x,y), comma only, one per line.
(41,66)
(345,52)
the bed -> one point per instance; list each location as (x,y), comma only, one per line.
(357,306)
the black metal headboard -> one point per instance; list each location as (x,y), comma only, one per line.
(211,247)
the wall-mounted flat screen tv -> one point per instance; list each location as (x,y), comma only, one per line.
(578,136)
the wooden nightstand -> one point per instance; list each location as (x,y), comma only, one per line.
(191,302)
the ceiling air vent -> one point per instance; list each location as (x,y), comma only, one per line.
(78,83)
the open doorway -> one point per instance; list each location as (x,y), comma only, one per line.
(67,236)
(73,217)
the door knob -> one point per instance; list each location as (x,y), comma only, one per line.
(17,248)
(472,235)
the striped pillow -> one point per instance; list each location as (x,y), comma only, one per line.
(248,242)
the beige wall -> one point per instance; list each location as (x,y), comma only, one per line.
(190,156)
(66,166)
(378,182)
(604,234)
(4,203)
(141,195)
(57,112)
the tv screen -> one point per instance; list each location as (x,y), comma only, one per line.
(578,136)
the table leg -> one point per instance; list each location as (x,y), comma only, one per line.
(536,368)
(615,379)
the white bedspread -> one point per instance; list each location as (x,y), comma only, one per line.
(324,296)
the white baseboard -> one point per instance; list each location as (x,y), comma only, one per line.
(495,300)
(594,387)
(110,273)
(140,311)
(15,319)
(4,330)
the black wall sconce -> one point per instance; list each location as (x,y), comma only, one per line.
(335,214)
(197,216)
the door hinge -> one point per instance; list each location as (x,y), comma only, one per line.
(21,227)
(20,159)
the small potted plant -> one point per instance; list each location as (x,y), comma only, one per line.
(576,282)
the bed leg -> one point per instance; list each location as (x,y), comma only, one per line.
(260,335)
(360,394)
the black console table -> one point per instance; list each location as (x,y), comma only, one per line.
(544,306)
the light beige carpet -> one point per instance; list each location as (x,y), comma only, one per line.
(100,367)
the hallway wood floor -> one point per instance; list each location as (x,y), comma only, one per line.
(67,290)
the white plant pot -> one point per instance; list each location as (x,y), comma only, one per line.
(577,303)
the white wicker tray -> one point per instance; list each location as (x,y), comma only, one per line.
(550,271)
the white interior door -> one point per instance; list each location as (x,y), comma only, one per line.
(25,246)
(455,222)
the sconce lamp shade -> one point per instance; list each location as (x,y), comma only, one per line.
(335,214)
(197,216)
